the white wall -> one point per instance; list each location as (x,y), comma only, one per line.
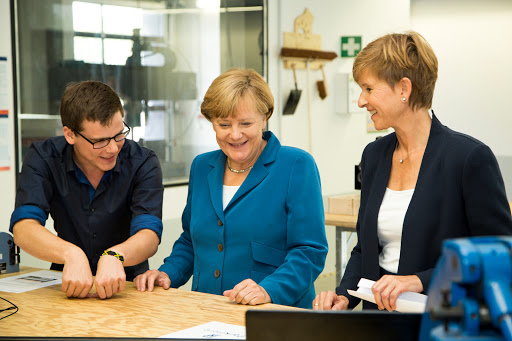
(473,42)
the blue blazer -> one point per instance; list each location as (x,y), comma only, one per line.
(272,231)
(459,193)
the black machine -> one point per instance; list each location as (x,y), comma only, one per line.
(9,254)
(296,325)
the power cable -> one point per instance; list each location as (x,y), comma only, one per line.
(14,306)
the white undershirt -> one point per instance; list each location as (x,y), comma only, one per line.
(228,192)
(389,226)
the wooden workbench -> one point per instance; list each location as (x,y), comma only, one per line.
(48,312)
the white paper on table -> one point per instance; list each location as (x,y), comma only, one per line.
(210,330)
(407,302)
(30,281)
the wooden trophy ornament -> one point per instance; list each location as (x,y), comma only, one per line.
(303,50)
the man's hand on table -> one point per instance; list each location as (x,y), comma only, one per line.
(110,277)
(77,278)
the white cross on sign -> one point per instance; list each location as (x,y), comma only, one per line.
(350,46)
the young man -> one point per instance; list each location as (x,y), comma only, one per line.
(104,193)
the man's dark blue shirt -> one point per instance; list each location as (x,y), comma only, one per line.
(127,200)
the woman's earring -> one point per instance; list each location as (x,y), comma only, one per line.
(404,99)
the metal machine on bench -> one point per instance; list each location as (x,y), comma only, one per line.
(470,293)
(9,254)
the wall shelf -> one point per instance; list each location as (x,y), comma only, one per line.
(297,58)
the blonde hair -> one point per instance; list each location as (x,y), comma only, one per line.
(226,91)
(395,56)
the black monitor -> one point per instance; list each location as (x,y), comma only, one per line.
(283,325)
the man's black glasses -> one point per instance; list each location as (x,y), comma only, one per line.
(105,142)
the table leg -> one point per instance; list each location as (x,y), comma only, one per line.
(344,256)
(338,254)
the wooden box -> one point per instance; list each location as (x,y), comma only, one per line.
(347,204)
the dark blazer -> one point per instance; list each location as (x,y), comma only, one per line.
(459,193)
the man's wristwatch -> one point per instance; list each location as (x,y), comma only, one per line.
(113,253)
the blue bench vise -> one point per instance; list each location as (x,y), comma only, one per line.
(470,293)
(9,254)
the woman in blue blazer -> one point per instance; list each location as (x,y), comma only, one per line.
(253,226)
(422,184)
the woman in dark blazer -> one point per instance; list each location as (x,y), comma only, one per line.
(422,184)
(253,226)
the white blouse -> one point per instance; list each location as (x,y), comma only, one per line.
(389,226)
(228,192)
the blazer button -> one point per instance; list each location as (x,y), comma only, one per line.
(220,222)
(220,247)
(217,273)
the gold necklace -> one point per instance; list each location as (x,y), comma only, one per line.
(246,169)
(238,171)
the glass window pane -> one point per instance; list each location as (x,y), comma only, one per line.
(150,58)
(86,17)
(208,4)
(88,50)
(121,20)
(117,51)
(159,56)
(153,24)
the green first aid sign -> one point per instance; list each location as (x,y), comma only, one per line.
(350,46)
